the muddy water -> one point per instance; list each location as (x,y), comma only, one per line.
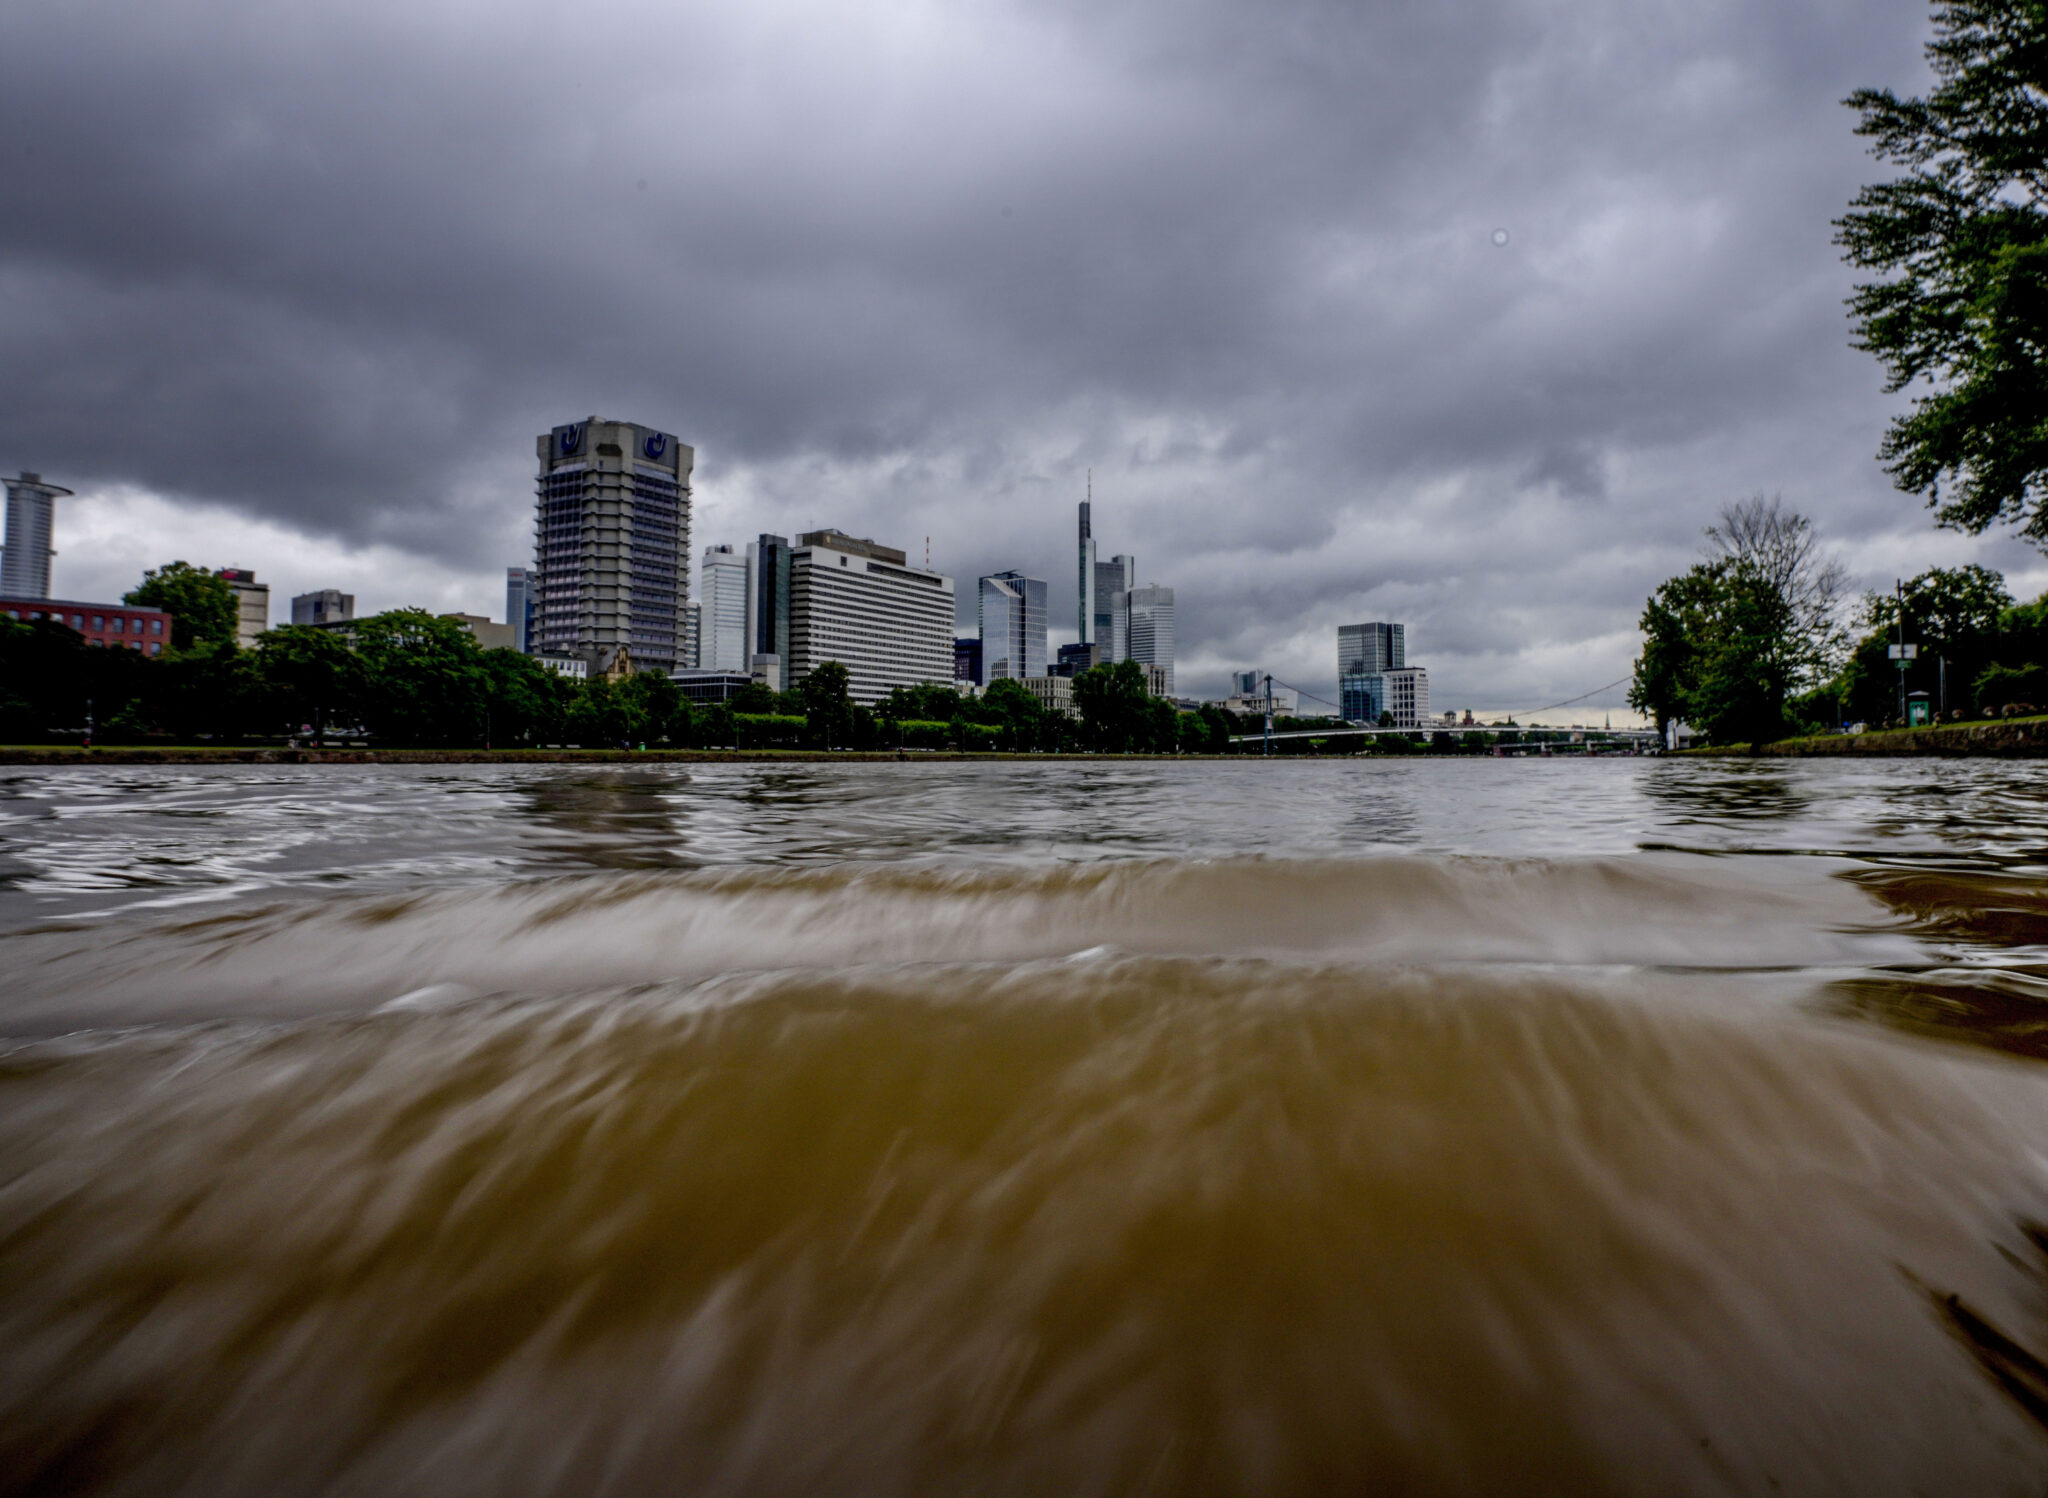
(1629,1127)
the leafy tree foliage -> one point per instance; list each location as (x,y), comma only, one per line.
(1717,653)
(1963,241)
(203,608)
(1728,643)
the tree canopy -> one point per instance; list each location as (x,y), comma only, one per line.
(1727,643)
(1962,241)
(203,608)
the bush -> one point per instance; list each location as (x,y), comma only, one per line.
(768,731)
(2001,686)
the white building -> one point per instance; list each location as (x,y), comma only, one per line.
(722,641)
(1408,696)
(1148,630)
(863,605)
(1054,693)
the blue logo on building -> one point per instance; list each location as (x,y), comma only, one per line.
(656,445)
(568,439)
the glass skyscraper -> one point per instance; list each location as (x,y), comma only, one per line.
(1012,626)
(1148,629)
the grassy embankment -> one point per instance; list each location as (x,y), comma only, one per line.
(1997,738)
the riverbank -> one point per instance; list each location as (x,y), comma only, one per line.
(133,754)
(2012,738)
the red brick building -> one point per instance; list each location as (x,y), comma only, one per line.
(121,626)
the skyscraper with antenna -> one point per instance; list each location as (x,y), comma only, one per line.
(1087,578)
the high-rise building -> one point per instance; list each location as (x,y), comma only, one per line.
(1369,647)
(31,536)
(1148,630)
(1374,678)
(252,604)
(722,645)
(328,606)
(519,605)
(1086,578)
(612,533)
(1012,626)
(1113,579)
(863,605)
(770,556)
(967,658)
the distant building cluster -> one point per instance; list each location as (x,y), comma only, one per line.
(608,592)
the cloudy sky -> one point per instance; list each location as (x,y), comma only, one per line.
(293,286)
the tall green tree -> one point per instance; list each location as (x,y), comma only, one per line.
(1961,238)
(311,676)
(1115,714)
(423,679)
(828,705)
(1719,652)
(203,608)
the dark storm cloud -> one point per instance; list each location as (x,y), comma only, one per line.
(913,269)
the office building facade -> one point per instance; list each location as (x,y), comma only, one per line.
(1012,609)
(612,544)
(722,643)
(31,536)
(519,605)
(1054,693)
(1370,647)
(967,660)
(864,605)
(327,606)
(252,604)
(114,626)
(1408,696)
(1113,579)
(1148,631)
(1072,660)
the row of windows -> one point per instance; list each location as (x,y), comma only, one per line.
(119,623)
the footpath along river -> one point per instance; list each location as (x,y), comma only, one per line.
(1431,1127)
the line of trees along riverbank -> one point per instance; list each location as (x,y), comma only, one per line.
(410,679)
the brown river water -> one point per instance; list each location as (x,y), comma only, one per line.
(1458,1127)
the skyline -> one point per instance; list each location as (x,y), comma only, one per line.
(278,302)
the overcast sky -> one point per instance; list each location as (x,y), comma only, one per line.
(293,287)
